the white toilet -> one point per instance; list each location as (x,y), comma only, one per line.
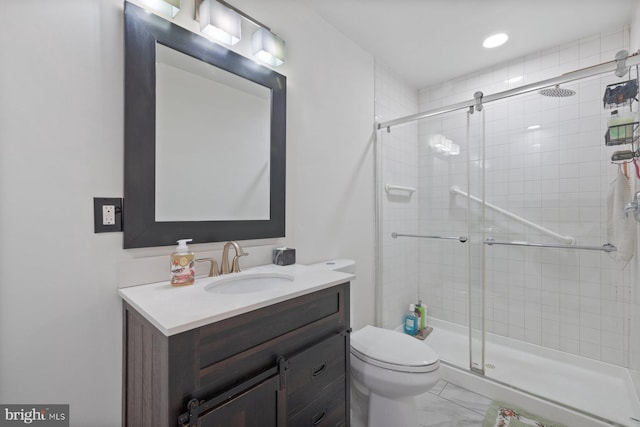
(388,370)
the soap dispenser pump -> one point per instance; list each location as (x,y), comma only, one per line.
(182,265)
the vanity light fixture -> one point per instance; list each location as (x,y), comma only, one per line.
(495,40)
(168,8)
(268,47)
(220,22)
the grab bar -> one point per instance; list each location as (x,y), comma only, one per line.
(461,239)
(563,239)
(605,248)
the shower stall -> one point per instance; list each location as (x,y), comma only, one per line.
(494,212)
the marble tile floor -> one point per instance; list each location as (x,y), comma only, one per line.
(447,405)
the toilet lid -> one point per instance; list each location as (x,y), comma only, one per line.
(393,350)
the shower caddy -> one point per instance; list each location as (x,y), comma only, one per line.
(619,96)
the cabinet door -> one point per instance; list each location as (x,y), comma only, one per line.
(313,370)
(327,410)
(316,385)
(256,407)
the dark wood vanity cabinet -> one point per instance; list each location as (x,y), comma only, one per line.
(286,364)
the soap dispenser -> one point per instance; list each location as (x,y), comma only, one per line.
(182,265)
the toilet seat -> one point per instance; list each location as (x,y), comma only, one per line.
(392,350)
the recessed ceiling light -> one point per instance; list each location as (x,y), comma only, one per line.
(495,40)
(533,127)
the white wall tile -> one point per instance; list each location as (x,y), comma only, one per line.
(398,213)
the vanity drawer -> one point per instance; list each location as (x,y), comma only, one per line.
(327,410)
(313,370)
(238,348)
(223,339)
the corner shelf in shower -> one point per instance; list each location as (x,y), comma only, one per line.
(401,188)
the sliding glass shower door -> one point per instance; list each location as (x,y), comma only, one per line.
(506,218)
(556,298)
(443,245)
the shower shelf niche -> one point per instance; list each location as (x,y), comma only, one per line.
(399,188)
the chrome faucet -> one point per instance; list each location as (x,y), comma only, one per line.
(633,206)
(213,271)
(235,266)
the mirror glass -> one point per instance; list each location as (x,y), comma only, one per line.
(212,142)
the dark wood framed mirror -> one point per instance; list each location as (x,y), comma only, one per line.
(240,151)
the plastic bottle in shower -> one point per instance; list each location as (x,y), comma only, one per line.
(411,322)
(422,309)
(612,123)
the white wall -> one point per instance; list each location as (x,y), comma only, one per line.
(61,144)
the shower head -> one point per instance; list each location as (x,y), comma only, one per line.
(557,92)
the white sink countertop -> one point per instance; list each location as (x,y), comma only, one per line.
(177,309)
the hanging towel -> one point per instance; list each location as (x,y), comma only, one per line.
(621,231)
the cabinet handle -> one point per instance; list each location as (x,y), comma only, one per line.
(318,418)
(319,370)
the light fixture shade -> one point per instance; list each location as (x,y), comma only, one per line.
(220,22)
(268,47)
(168,8)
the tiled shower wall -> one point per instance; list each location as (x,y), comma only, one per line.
(397,157)
(558,176)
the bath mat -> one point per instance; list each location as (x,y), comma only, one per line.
(502,414)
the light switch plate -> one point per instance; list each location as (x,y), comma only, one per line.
(107,213)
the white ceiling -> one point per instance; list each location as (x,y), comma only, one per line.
(429,41)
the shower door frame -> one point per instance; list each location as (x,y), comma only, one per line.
(476,362)
(476,104)
(480,98)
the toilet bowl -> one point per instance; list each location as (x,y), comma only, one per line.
(388,370)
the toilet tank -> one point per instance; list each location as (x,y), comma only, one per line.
(343,265)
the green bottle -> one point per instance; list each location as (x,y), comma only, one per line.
(423,312)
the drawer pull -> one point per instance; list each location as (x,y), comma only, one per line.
(318,418)
(319,370)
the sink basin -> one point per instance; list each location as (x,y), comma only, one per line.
(248,283)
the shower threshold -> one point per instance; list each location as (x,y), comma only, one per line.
(572,387)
